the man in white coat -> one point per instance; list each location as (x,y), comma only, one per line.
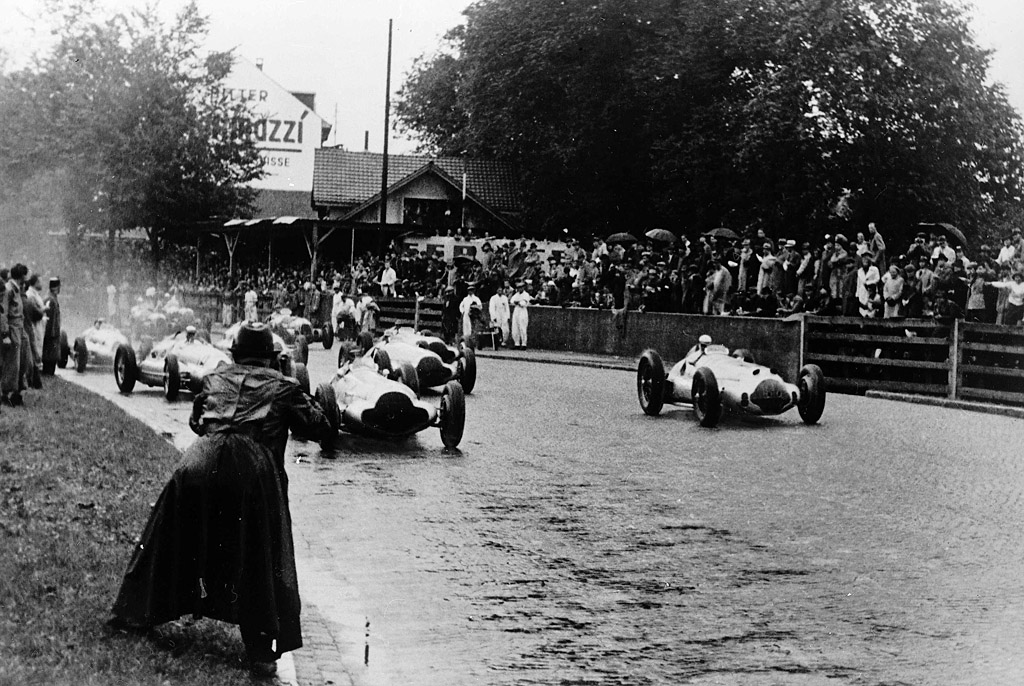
(520,303)
(466,310)
(500,314)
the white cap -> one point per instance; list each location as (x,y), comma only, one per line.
(704,339)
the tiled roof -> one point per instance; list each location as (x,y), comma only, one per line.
(343,178)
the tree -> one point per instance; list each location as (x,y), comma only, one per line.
(127,108)
(695,113)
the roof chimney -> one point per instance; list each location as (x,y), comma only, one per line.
(366,141)
(259,63)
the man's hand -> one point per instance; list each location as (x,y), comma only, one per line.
(6,342)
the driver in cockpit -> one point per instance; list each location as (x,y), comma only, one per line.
(190,334)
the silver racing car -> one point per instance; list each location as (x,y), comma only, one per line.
(363,398)
(434,361)
(180,360)
(95,345)
(712,379)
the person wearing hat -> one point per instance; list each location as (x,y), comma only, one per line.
(918,249)
(35,327)
(51,333)
(520,303)
(218,542)
(250,299)
(470,309)
(13,339)
(501,314)
(876,245)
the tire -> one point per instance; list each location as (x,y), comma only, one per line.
(468,378)
(365,341)
(707,399)
(302,349)
(383,360)
(81,355)
(65,350)
(327,337)
(453,414)
(301,374)
(812,393)
(408,376)
(650,383)
(126,368)
(743,354)
(172,377)
(327,401)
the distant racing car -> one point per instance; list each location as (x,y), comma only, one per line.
(363,398)
(435,362)
(180,360)
(96,345)
(296,331)
(712,379)
(288,361)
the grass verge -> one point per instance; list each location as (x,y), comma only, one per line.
(77,480)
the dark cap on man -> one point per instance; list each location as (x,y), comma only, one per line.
(254,340)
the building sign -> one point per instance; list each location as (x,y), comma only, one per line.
(287,132)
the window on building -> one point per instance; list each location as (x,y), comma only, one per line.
(430,213)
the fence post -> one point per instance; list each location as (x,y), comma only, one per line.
(416,314)
(803,341)
(954,360)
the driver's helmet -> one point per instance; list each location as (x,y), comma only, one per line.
(99,323)
(190,333)
(704,341)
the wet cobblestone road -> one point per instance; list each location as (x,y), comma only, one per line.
(576,541)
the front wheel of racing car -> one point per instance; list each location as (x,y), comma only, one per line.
(743,354)
(172,377)
(812,393)
(302,349)
(327,401)
(81,355)
(650,383)
(301,374)
(406,374)
(327,337)
(126,369)
(65,350)
(468,377)
(707,399)
(452,414)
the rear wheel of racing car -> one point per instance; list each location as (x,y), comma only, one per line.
(327,337)
(65,350)
(126,369)
(452,414)
(365,341)
(325,398)
(81,355)
(744,354)
(383,360)
(301,374)
(172,377)
(302,349)
(812,393)
(407,375)
(468,379)
(650,383)
(707,400)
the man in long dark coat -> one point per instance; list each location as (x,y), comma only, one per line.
(218,542)
(51,334)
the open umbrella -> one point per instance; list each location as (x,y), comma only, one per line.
(722,232)
(955,235)
(463,259)
(622,238)
(662,236)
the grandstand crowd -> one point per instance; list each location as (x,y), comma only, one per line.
(748,275)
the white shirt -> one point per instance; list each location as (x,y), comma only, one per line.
(250,297)
(468,302)
(521,300)
(1006,254)
(1016,291)
(389,277)
(341,304)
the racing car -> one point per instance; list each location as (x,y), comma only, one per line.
(288,363)
(296,331)
(435,362)
(97,345)
(180,360)
(364,398)
(712,379)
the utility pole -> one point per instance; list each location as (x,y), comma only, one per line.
(384,168)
